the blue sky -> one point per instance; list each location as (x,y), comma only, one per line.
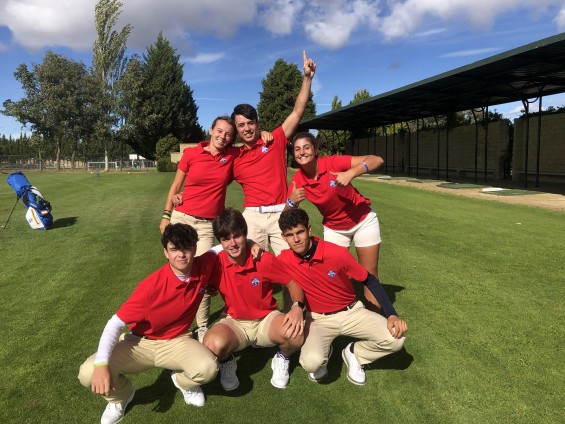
(228,47)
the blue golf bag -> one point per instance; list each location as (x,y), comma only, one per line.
(38,213)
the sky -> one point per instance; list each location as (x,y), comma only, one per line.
(228,47)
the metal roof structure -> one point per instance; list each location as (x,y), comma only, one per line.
(531,71)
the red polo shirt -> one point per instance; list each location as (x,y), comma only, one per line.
(261,171)
(341,207)
(325,278)
(162,306)
(248,290)
(207,179)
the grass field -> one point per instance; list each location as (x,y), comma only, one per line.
(481,285)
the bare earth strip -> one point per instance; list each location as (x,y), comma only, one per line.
(550,201)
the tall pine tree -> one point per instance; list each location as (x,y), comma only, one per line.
(158,101)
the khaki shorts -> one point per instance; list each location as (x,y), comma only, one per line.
(251,332)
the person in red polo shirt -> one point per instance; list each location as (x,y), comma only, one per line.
(347,215)
(205,171)
(261,168)
(323,270)
(159,313)
(251,316)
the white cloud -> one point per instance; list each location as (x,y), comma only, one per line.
(280,16)
(406,16)
(331,23)
(560,19)
(35,24)
(205,58)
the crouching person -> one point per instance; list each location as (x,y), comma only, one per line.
(159,313)
(323,270)
(251,316)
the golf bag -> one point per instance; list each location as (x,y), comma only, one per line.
(38,213)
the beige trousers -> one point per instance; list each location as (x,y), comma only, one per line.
(193,362)
(375,341)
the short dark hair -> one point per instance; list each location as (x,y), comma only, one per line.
(229,221)
(246,110)
(224,118)
(293,218)
(309,136)
(182,236)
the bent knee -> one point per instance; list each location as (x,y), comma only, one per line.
(311,361)
(207,372)
(85,373)
(397,344)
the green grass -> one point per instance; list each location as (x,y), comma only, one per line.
(480,284)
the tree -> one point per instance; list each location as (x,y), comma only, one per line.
(360,96)
(60,102)
(333,142)
(280,89)
(157,102)
(108,64)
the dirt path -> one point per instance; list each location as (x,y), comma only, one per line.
(554,202)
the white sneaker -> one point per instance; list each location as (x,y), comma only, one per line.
(194,396)
(200,331)
(323,370)
(279,365)
(228,376)
(355,372)
(114,412)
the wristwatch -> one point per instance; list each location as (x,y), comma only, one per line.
(300,305)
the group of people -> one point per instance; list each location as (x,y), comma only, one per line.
(315,273)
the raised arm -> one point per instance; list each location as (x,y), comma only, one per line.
(291,122)
(359,166)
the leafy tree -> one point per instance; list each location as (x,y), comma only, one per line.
(280,89)
(163,153)
(60,102)
(157,102)
(360,96)
(333,142)
(108,64)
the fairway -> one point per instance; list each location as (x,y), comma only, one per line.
(481,285)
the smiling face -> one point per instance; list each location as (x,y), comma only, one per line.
(247,129)
(235,246)
(298,239)
(304,152)
(221,135)
(179,259)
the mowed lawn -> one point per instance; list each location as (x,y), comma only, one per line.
(481,285)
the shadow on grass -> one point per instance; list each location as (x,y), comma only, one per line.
(336,368)
(161,391)
(64,222)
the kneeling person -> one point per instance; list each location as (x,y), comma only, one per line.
(159,312)
(323,270)
(251,316)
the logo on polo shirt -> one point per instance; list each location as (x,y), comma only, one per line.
(264,149)
(331,274)
(255,282)
(223,160)
(333,183)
